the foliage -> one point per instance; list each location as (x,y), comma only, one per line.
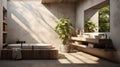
(64,30)
(104,18)
(90,26)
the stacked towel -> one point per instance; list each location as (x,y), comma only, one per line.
(16,53)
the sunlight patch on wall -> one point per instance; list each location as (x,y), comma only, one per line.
(23,26)
(35,19)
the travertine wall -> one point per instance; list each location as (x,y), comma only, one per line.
(4,3)
(34,22)
(1,24)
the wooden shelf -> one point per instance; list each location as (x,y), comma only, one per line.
(4,22)
(85,47)
(4,43)
(96,43)
(4,32)
(92,40)
(79,45)
(59,1)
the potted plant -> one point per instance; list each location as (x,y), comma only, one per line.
(90,26)
(64,30)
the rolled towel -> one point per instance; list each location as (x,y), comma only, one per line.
(16,53)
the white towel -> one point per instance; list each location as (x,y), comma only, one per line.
(16,53)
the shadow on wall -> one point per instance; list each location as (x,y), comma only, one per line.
(67,10)
(89,14)
(32,22)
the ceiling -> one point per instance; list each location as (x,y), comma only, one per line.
(58,1)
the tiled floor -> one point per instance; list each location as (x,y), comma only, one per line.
(77,59)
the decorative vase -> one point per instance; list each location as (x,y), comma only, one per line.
(64,48)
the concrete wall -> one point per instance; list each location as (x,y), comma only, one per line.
(1,24)
(4,3)
(81,7)
(34,22)
(115,24)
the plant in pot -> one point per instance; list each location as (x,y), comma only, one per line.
(64,30)
(90,26)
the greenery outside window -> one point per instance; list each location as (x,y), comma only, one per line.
(104,19)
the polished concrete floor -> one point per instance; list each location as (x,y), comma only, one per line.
(76,59)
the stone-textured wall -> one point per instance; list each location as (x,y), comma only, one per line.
(1,24)
(115,23)
(1,29)
(4,3)
(34,22)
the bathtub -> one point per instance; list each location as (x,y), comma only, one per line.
(31,46)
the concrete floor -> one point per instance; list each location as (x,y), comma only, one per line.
(77,59)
